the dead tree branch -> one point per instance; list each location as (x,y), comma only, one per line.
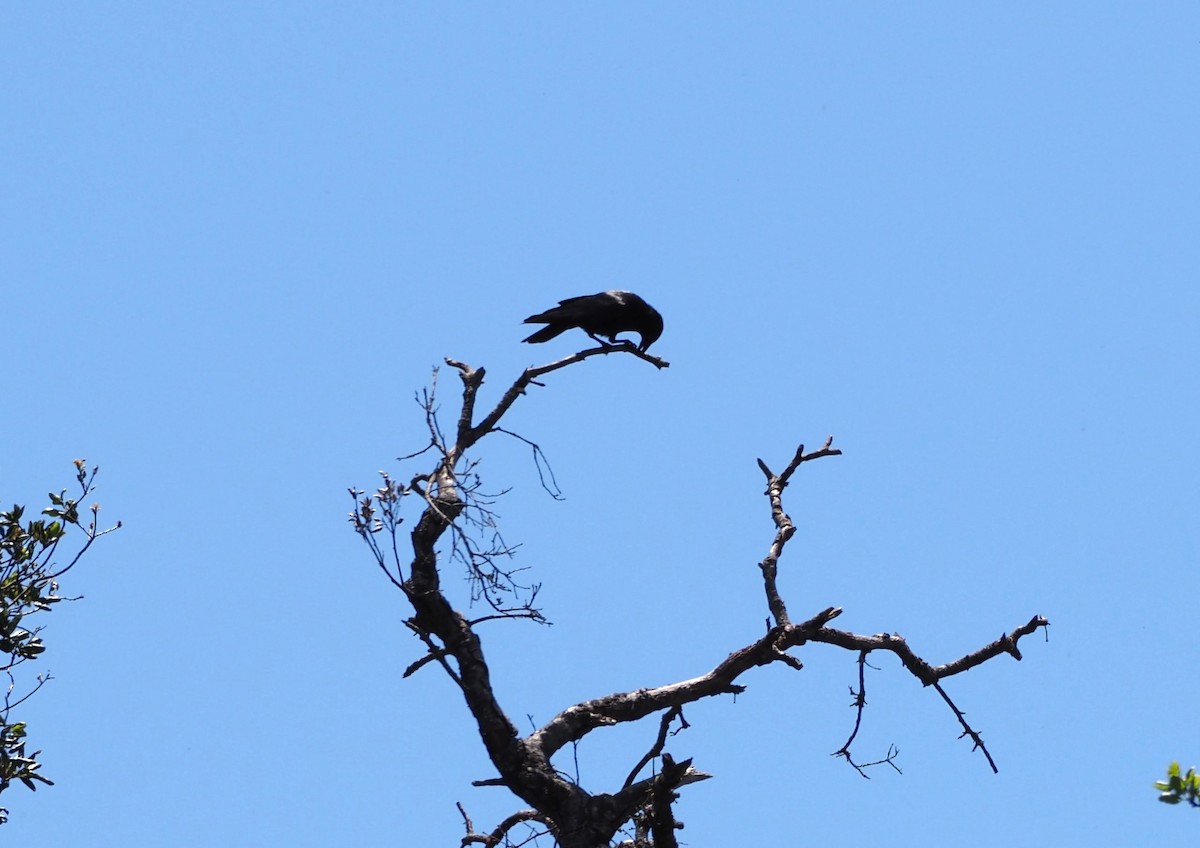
(664,727)
(451,502)
(500,832)
(784,527)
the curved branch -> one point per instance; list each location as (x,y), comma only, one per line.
(664,727)
(923,671)
(524,769)
(501,830)
(784,528)
(530,375)
(577,721)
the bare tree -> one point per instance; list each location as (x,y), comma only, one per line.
(452,504)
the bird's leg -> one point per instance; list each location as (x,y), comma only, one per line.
(610,343)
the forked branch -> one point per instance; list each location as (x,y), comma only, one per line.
(575,817)
(784,527)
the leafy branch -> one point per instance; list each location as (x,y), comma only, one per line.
(29,572)
(1179,787)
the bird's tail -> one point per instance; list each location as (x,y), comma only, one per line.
(546,333)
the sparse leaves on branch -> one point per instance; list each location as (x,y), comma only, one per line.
(31,562)
(1179,787)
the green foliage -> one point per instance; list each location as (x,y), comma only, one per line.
(29,572)
(1179,787)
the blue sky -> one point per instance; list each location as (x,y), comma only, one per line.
(961,238)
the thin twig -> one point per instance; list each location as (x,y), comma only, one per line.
(967,729)
(664,726)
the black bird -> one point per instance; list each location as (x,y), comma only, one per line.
(605,314)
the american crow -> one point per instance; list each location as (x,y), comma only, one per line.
(605,314)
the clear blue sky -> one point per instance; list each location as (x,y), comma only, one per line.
(962,238)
